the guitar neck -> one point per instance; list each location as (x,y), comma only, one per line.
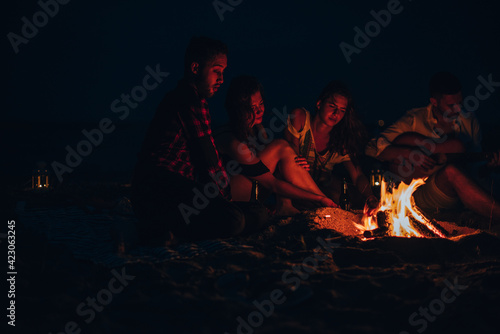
(468,157)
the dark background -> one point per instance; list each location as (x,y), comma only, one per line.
(64,80)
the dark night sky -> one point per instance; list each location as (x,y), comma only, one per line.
(91,52)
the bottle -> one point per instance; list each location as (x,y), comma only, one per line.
(254,194)
(376,182)
(344,201)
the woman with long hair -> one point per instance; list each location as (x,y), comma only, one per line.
(331,136)
(271,163)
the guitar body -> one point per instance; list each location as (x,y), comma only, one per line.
(437,148)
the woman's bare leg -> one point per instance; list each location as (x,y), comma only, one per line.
(241,187)
(277,156)
(280,156)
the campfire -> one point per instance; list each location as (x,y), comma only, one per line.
(398,215)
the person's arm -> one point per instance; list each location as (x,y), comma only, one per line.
(195,119)
(383,149)
(361,182)
(289,190)
(295,125)
(244,155)
(296,122)
(377,145)
(420,150)
(400,152)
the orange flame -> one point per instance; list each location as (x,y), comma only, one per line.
(399,205)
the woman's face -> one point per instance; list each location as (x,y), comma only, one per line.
(257,105)
(332,110)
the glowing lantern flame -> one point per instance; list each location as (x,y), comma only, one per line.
(400,206)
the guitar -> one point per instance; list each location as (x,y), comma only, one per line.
(442,151)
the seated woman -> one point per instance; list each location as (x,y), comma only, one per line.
(245,142)
(332,136)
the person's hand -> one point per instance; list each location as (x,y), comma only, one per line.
(372,205)
(440,158)
(495,160)
(302,162)
(420,160)
(325,201)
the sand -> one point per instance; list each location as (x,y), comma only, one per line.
(344,222)
(296,276)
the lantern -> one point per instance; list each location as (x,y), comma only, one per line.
(40,179)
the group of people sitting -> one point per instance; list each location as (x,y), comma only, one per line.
(194,184)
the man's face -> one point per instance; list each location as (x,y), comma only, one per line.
(210,77)
(448,107)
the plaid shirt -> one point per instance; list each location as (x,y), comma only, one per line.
(180,140)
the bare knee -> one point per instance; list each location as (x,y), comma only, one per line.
(448,179)
(285,147)
(280,147)
(279,143)
(451,173)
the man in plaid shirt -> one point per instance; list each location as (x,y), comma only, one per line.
(180,184)
(180,138)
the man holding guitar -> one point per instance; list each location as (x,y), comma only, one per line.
(427,141)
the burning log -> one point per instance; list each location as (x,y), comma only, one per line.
(431,229)
(422,228)
(382,223)
(399,214)
(383,219)
(378,232)
(431,225)
(439,228)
